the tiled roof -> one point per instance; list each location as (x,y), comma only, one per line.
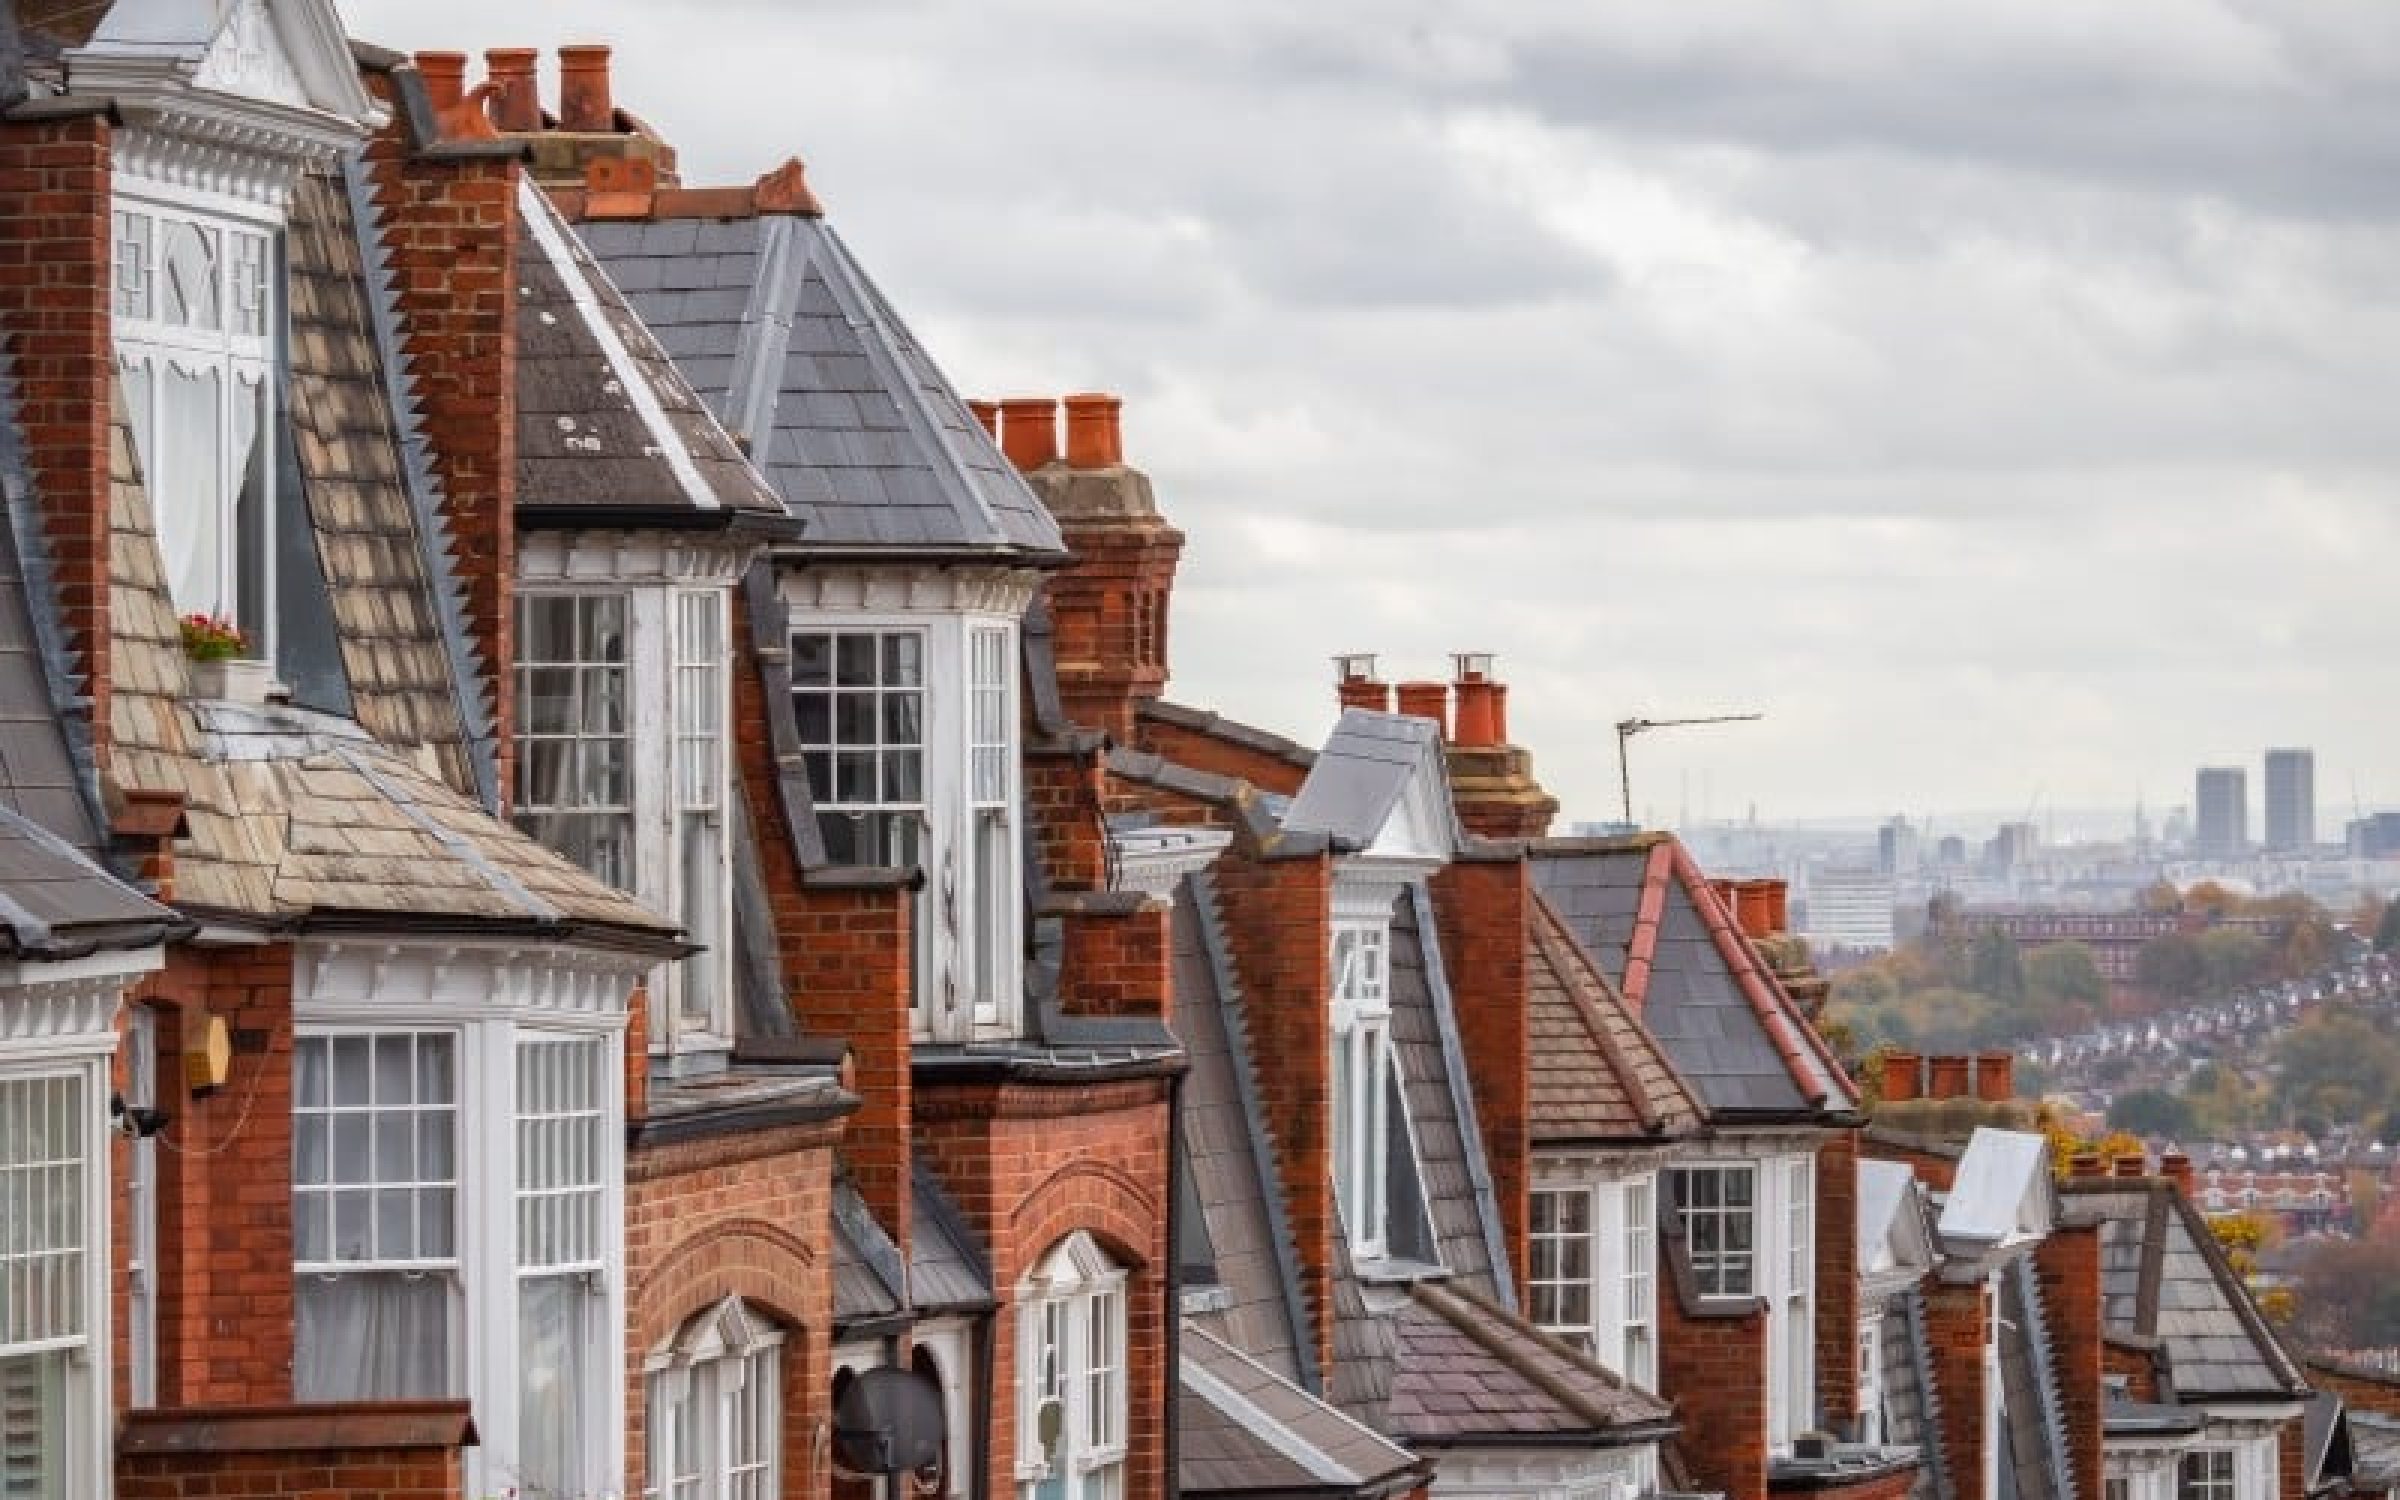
(56,903)
(606,425)
(2163,1277)
(1911,1405)
(2037,1436)
(395,672)
(1248,1430)
(800,356)
(1366,1348)
(1440,1112)
(1647,917)
(1596,1074)
(1469,1372)
(947,1269)
(867,1270)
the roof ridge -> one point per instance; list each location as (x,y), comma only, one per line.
(1641,944)
(1578,974)
(1466,1312)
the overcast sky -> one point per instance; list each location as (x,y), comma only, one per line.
(1998,396)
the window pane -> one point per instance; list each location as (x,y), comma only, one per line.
(188,258)
(42,1199)
(854,661)
(371,1336)
(903,659)
(187,485)
(33,1428)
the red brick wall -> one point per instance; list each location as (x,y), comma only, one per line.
(2067,1264)
(1277,914)
(1482,911)
(1063,792)
(1222,757)
(1116,962)
(1029,1165)
(2291,1452)
(54,308)
(382,1451)
(1934,1170)
(1109,620)
(1958,1323)
(450,228)
(2362,1392)
(1714,1369)
(2138,1367)
(745,1215)
(1889,1487)
(1837,1277)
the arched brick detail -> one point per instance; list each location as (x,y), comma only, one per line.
(1105,1200)
(766,1266)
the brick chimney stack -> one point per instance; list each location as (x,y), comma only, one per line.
(1491,780)
(2177,1169)
(1357,686)
(1109,607)
(1427,700)
(586,127)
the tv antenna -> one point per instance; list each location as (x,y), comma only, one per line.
(1628,728)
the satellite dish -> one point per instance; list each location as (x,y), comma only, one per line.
(889,1421)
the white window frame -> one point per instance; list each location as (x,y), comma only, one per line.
(1072,1346)
(1713,1274)
(724,1369)
(679,768)
(78,1353)
(561,1197)
(2224,1485)
(1552,1284)
(141,1211)
(1638,1281)
(1620,1282)
(1796,1296)
(1361,1080)
(945,1344)
(969,918)
(147,344)
(1870,1376)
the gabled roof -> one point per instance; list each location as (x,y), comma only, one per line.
(290,53)
(1596,1075)
(1647,917)
(2001,1195)
(801,358)
(1379,787)
(1470,1374)
(1892,1233)
(1248,1431)
(608,430)
(2164,1278)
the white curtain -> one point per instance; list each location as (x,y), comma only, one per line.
(371,1336)
(186,484)
(555,1323)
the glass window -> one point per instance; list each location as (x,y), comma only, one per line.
(1362,1069)
(574,730)
(991,774)
(45,1194)
(1071,1410)
(1562,1264)
(703,981)
(860,699)
(196,312)
(374,1215)
(716,1410)
(1641,1285)
(561,1239)
(2206,1475)
(1717,1207)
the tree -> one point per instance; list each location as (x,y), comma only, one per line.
(1995,967)
(2148,1112)
(2337,1065)
(2349,1295)
(2171,966)
(2223,1103)
(2230,958)
(2065,973)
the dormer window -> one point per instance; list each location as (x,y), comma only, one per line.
(1362,1071)
(197,313)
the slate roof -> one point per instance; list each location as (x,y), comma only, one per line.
(1596,1075)
(868,1275)
(800,356)
(1362,772)
(1247,1430)
(947,1268)
(2374,1450)
(1471,1373)
(1912,1412)
(1226,1151)
(55,902)
(2037,1435)
(2163,1277)
(607,428)
(1451,1178)
(1646,916)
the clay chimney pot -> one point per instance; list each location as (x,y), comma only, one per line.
(1029,431)
(1427,700)
(2177,1169)
(987,413)
(516,96)
(583,91)
(1093,441)
(1477,698)
(2087,1164)
(1356,685)
(445,76)
(1949,1078)
(1779,905)
(1900,1077)
(1995,1076)
(2133,1164)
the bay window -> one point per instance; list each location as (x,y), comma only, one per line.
(52,1316)
(1362,1082)
(715,1424)
(1071,1367)
(197,319)
(1593,1268)
(2206,1475)
(561,1257)
(907,730)
(1717,1206)
(1750,1231)
(1640,1285)
(623,736)
(1561,1265)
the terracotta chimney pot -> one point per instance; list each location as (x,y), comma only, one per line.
(583,95)
(1356,685)
(445,76)
(2177,1169)
(1949,1080)
(987,413)
(516,95)
(1754,907)
(1093,441)
(1995,1076)
(2087,1164)
(1900,1077)
(2133,1164)
(1029,430)
(1779,905)
(1726,898)
(1427,700)
(1477,696)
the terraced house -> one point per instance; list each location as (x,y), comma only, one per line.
(658,934)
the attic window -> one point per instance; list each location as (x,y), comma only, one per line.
(1362,1065)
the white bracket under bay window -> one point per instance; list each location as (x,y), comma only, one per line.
(1071,1366)
(908,734)
(198,318)
(623,735)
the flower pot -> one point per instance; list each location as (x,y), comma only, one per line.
(236,681)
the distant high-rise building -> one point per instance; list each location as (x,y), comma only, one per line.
(2014,844)
(1896,847)
(1951,852)
(2221,798)
(2291,799)
(1850,909)
(2375,836)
